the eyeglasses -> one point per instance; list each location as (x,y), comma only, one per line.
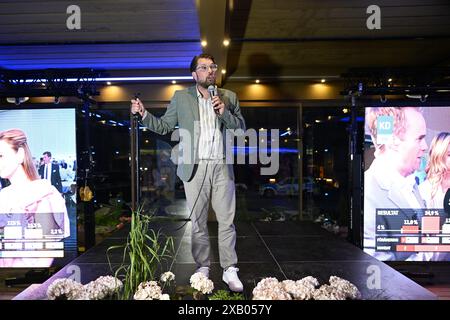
(205,68)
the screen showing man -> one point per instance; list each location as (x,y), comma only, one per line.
(401,222)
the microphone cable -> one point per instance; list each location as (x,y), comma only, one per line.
(204,177)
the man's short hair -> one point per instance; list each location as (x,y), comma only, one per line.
(48,153)
(200,56)
(398,114)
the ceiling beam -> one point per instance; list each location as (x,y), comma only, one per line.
(212,19)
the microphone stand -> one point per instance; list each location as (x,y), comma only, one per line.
(88,206)
(355,178)
(135,171)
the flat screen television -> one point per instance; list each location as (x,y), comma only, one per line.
(406,176)
(37,187)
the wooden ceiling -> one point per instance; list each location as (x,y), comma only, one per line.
(307,38)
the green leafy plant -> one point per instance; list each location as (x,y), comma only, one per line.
(226,295)
(146,249)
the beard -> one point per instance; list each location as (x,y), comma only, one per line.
(206,83)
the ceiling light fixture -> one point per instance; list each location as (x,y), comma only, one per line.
(17,100)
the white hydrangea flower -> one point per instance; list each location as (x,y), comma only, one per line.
(196,277)
(348,288)
(304,289)
(147,284)
(149,290)
(164,296)
(288,285)
(167,276)
(201,283)
(308,281)
(298,290)
(64,289)
(112,283)
(101,288)
(95,291)
(141,295)
(267,283)
(327,292)
(82,295)
(270,289)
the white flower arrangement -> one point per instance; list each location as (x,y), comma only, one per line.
(167,276)
(101,288)
(308,281)
(327,292)
(150,290)
(164,296)
(299,290)
(270,289)
(305,289)
(350,290)
(64,289)
(201,283)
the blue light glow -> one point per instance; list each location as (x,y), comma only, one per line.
(248,150)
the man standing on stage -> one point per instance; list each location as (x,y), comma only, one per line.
(206,176)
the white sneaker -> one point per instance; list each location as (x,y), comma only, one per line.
(231,278)
(204,270)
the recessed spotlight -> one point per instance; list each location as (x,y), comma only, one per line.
(390,80)
(17,100)
(257,81)
(322,80)
(174,82)
(108,83)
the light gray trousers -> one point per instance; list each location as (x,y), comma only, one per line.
(219,189)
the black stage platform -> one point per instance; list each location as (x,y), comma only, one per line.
(285,250)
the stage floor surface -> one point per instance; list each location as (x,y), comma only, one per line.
(284,250)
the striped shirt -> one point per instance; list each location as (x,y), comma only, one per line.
(210,146)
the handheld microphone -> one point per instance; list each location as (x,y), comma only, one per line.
(212,90)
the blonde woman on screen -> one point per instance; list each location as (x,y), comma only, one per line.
(435,186)
(29,202)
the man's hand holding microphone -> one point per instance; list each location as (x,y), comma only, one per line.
(217,104)
(137,107)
